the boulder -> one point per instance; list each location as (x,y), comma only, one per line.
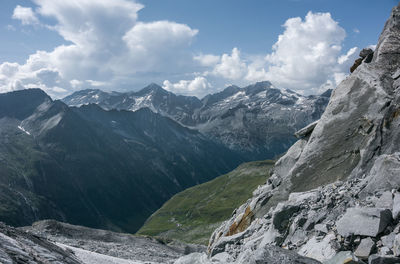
(385,201)
(376,259)
(357,63)
(322,228)
(365,248)
(364,221)
(396,205)
(343,257)
(277,255)
(396,245)
(384,174)
(383,251)
(319,249)
(306,131)
(369,58)
(365,52)
(388,240)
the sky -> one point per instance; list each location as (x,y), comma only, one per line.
(188,47)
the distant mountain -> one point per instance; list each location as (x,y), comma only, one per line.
(193,214)
(178,107)
(89,166)
(258,120)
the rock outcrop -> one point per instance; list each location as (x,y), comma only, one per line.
(333,196)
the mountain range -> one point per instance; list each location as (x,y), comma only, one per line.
(98,168)
(257,121)
(333,197)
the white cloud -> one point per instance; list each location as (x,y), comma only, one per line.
(158,45)
(231,66)
(109,48)
(26,15)
(306,58)
(207,60)
(306,54)
(199,86)
(345,58)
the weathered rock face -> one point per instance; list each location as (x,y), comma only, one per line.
(333,188)
(364,221)
(20,247)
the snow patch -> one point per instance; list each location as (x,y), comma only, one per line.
(23,129)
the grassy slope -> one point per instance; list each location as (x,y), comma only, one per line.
(193,214)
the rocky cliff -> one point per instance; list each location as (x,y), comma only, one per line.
(334,196)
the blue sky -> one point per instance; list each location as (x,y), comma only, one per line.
(189,47)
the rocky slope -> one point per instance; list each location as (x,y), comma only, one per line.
(118,245)
(88,166)
(193,214)
(257,121)
(334,195)
(50,241)
(20,247)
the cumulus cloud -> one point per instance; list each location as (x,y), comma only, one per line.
(156,45)
(307,57)
(207,60)
(231,66)
(26,15)
(109,47)
(345,58)
(199,86)
(306,54)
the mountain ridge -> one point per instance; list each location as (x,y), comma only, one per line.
(242,119)
(75,164)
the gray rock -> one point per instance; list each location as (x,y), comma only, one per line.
(385,251)
(365,248)
(396,205)
(306,131)
(376,259)
(365,52)
(17,246)
(388,240)
(282,217)
(385,201)
(364,221)
(277,255)
(320,249)
(321,228)
(118,245)
(384,173)
(343,257)
(369,58)
(396,245)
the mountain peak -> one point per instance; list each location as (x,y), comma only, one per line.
(153,87)
(20,104)
(258,87)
